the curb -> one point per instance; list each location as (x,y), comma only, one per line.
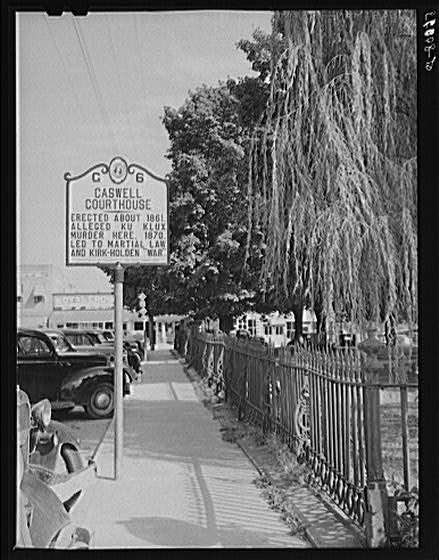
(160,362)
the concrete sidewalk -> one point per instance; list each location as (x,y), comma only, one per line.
(181,484)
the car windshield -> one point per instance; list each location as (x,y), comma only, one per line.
(80,339)
(61,343)
(94,337)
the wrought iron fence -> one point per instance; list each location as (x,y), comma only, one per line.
(325,404)
(314,402)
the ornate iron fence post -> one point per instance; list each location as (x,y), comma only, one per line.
(221,386)
(374,363)
(301,422)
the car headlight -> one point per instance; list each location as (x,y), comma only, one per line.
(42,413)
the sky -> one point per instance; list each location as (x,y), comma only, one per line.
(92,88)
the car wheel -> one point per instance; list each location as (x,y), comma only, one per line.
(101,401)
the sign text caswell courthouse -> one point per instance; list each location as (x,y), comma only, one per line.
(116,213)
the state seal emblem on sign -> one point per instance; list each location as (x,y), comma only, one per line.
(118,170)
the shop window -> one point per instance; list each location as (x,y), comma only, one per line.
(109,325)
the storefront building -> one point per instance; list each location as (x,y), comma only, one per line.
(46,298)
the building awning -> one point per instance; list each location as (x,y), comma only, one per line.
(169,318)
(102,316)
(85,316)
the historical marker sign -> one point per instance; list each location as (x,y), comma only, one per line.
(116,213)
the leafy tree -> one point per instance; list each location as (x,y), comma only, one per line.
(334,165)
(209,144)
(209,139)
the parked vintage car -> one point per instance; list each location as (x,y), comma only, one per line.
(93,340)
(45,496)
(109,335)
(79,339)
(134,357)
(63,345)
(131,349)
(136,342)
(66,379)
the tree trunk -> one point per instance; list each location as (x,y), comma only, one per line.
(298,320)
(151,332)
(226,323)
(321,324)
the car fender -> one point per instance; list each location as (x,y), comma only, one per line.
(77,386)
(131,373)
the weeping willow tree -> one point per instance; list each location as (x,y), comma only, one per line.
(332,175)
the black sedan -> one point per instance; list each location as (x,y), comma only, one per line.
(94,341)
(66,378)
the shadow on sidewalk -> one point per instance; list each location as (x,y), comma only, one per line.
(169,531)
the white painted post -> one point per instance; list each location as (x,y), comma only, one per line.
(142,312)
(118,369)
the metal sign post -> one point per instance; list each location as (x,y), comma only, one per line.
(118,369)
(117,215)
